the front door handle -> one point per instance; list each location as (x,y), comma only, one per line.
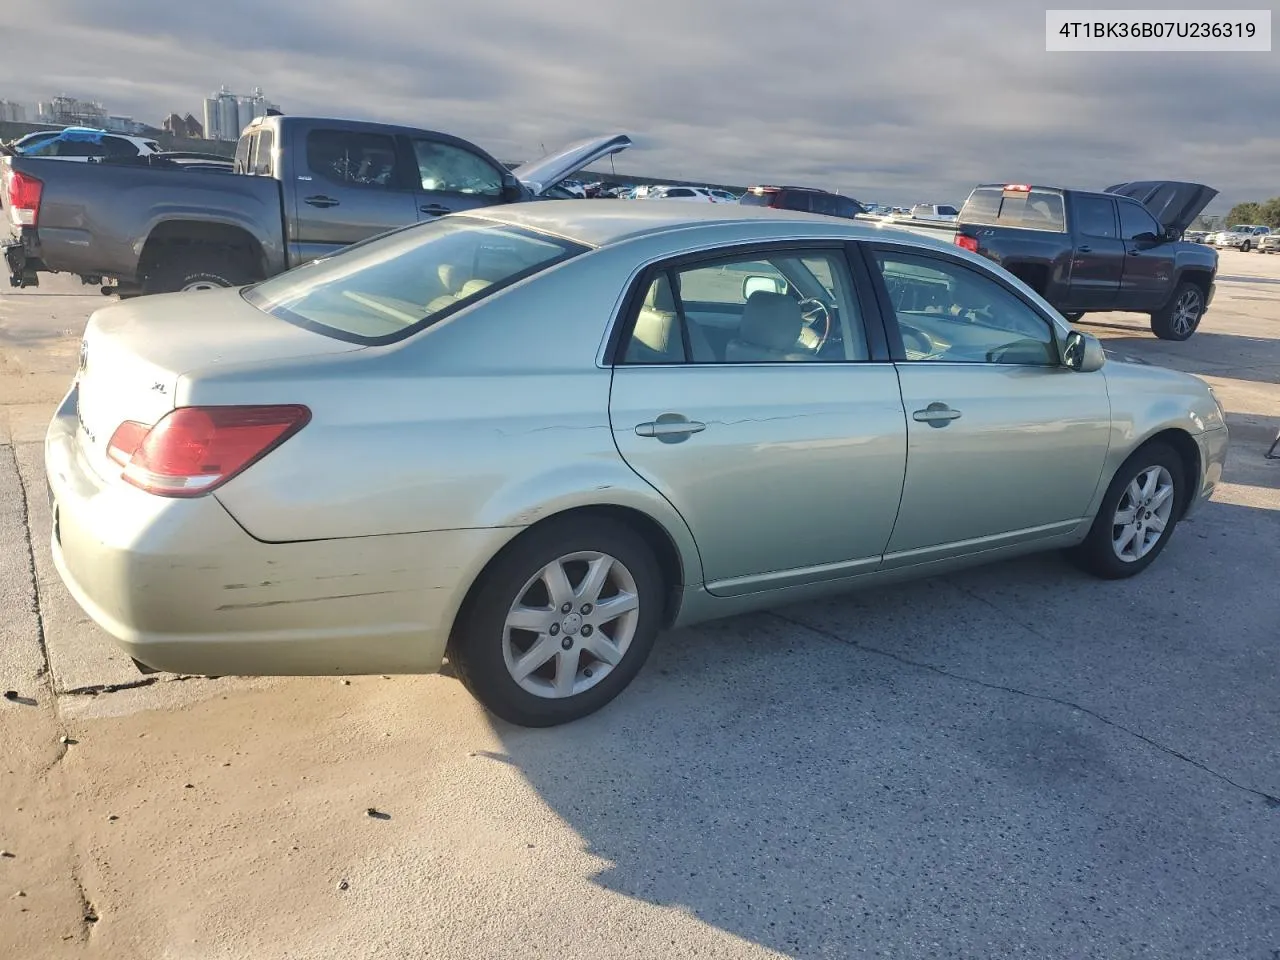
(320,201)
(1085,248)
(435,208)
(669,428)
(936,415)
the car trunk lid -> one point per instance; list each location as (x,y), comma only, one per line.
(133,355)
(541,175)
(1174,203)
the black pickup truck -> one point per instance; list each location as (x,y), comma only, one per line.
(1087,252)
(301,188)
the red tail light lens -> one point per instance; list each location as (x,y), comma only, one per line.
(126,440)
(967,243)
(193,450)
(24,199)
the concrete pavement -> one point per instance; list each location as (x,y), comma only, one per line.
(1014,761)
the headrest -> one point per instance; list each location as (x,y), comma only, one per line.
(452,276)
(660,296)
(472,287)
(771,320)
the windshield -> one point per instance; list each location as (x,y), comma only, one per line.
(389,287)
(1241,228)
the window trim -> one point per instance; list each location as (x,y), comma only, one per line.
(898,350)
(613,353)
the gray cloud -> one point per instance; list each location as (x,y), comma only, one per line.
(913,100)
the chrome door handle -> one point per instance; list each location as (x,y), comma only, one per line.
(678,429)
(321,202)
(936,415)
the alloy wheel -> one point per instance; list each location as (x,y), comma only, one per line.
(571,624)
(1143,514)
(1186,312)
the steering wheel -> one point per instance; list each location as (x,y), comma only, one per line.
(812,310)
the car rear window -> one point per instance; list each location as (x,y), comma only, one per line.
(389,287)
(996,207)
(753,199)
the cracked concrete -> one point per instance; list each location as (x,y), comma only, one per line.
(1011,761)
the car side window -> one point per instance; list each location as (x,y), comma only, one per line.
(262,153)
(784,307)
(1134,219)
(448,168)
(352,158)
(952,313)
(1096,217)
(115,147)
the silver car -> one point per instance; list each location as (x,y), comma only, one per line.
(531,437)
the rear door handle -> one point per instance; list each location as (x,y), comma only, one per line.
(320,201)
(435,208)
(1086,249)
(671,430)
(936,415)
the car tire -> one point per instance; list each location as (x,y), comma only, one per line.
(1180,317)
(198,268)
(1074,316)
(1245,247)
(485,651)
(1105,552)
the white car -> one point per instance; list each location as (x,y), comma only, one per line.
(83,144)
(688,194)
(1243,236)
(934,211)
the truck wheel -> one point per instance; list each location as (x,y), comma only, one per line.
(1179,318)
(1074,316)
(1245,247)
(198,269)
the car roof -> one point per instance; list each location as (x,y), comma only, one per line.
(600,223)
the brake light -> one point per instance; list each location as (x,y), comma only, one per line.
(967,243)
(24,199)
(1017,188)
(126,440)
(193,450)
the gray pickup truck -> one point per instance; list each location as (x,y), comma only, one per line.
(301,189)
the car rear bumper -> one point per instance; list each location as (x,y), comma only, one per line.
(181,587)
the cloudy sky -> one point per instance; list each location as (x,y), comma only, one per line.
(898,101)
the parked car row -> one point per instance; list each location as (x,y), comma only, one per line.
(1242,236)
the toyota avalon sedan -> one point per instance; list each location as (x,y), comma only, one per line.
(527,439)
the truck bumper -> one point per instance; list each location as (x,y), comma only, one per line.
(22,256)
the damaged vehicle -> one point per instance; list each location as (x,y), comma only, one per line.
(527,438)
(306,188)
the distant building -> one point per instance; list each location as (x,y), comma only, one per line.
(73,112)
(12,112)
(226,114)
(187,127)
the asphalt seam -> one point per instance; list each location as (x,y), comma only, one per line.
(46,670)
(1270,799)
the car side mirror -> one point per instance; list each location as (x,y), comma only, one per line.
(1147,240)
(757,284)
(1083,352)
(512,190)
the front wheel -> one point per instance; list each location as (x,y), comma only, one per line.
(1181,316)
(1138,515)
(1245,247)
(561,622)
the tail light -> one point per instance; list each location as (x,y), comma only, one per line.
(967,243)
(24,199)
(193,450)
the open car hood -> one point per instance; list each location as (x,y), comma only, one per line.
(1173,203)
(541,175)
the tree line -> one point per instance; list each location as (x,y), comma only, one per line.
(1264,213)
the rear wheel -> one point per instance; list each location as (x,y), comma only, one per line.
(198,268)
(1246,247)
(1180,317)
(560,623)
(1074,316)
(1138,515)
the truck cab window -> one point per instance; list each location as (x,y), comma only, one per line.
(1096,217)
(1134,220)
(353,158)
(447,168)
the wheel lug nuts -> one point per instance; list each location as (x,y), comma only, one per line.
(586,609)
(555,629)
(586,630)
(566,607)
(587,673)
(567,643)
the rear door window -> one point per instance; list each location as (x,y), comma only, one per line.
(354,158)
(1096,217)
(262,153)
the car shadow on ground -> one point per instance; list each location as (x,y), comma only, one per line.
(1229,355)
(994,763)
